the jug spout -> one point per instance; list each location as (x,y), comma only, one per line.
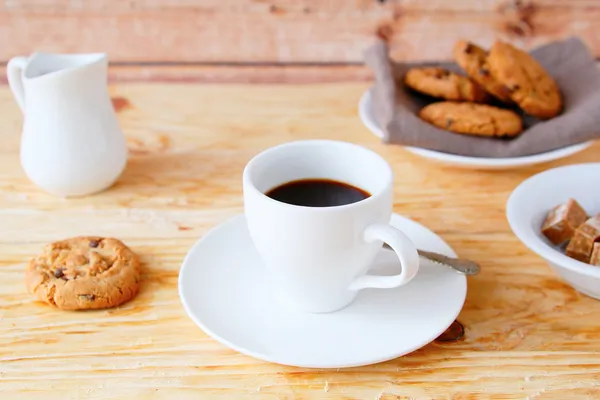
(40,64)
(25,71)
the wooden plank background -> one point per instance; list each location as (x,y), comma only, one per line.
(284,31)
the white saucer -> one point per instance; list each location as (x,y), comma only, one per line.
(367,117)
(224,289)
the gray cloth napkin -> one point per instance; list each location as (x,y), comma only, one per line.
(569,62)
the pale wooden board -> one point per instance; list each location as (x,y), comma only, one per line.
(284,31)
(527,334)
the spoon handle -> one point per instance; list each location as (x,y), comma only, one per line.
(462,265)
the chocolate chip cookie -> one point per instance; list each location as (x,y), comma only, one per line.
(472,119)
(441,83)
(530,86)
(84,273)
(473,60)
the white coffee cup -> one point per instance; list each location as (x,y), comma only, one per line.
(318,257)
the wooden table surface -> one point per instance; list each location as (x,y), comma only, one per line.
(527,334)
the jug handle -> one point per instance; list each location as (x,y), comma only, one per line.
(14,69)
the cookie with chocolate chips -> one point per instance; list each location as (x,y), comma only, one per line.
(473,60)
(83,273)
(472,119)
(529,85)
(441,83)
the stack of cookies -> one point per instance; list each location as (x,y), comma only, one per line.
(499,82)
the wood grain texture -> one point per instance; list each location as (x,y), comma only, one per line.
(280,73)
(284,31)
(528,335)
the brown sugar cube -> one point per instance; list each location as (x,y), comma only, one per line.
(595,258)
(580,247)
(562,221)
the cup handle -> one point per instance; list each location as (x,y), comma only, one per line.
(14,69)
(404,249)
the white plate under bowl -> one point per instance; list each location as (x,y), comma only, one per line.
(366,115)
(225,290)
(529,204)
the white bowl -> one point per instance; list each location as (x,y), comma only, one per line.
(532,199)
(365,113)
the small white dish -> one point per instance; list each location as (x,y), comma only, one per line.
(368,119)
(529,204)
(225,290)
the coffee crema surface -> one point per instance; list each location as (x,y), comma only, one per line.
(317,193)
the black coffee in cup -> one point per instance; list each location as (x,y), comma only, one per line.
(317,193)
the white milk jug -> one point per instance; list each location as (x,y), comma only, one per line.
(71,144)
